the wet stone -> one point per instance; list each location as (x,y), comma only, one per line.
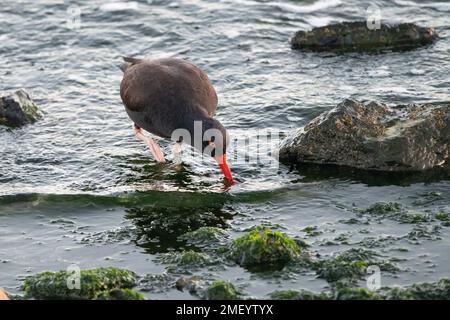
(358,37)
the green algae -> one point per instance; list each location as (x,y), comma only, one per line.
(442,216)
(205,237)
(264,247)
(350,266)
(121,294)
(355,294)
(311,231)
(222,290)
(297,295)
(394,211)
(93,283)
(439,290)
(193,258)
(382,208)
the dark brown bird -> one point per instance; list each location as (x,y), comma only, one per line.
(173,98)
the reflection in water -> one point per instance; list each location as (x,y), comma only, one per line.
(315,172)
(158,228)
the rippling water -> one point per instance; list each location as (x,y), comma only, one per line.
(82,164)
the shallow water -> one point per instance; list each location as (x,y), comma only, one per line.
(76,187)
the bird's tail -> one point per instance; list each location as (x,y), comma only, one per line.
(128,62)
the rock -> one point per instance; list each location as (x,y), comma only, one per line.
(93,283)
(297,295)
(194,285)
(357,37)
(264,248)
(350,266)
(439,290)
(192,258)
(222,290)
(373,136)
(121,294)
(205,237)
(18,109)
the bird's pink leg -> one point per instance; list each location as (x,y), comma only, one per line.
(154,147)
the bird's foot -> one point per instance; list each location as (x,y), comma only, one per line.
(155,149)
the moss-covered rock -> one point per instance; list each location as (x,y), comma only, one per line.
(264,247)
(358,37)
(192,258)
(18,109)
(121,294)
(350,265)
(356,294)
(93,283)
(205,237)
(439,290)
(297,295)
(222,290)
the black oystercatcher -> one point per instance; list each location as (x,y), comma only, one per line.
(164,95)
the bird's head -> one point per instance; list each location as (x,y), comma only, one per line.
(214,143)
(210,137)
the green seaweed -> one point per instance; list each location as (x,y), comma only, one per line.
(264,247)
(205,237)
(382,208)
(356,294)
(222,290)
(442,216)
(93,283)
(121,294)
(439,290)
(350,266)
(297,295)
(192,258)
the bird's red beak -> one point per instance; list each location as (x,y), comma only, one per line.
(222,161)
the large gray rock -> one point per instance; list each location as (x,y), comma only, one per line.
(357,37)
(18,109)
(373,136)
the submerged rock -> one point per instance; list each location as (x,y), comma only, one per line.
(297,295)
(192,284)
(439,290)
(373,136)
(206,237)
(350,266)
(263,248)
(222,290)
(121,294)
(18,109)
(356,36)
(94,283)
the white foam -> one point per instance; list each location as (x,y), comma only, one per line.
(119,6)
(316,6)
